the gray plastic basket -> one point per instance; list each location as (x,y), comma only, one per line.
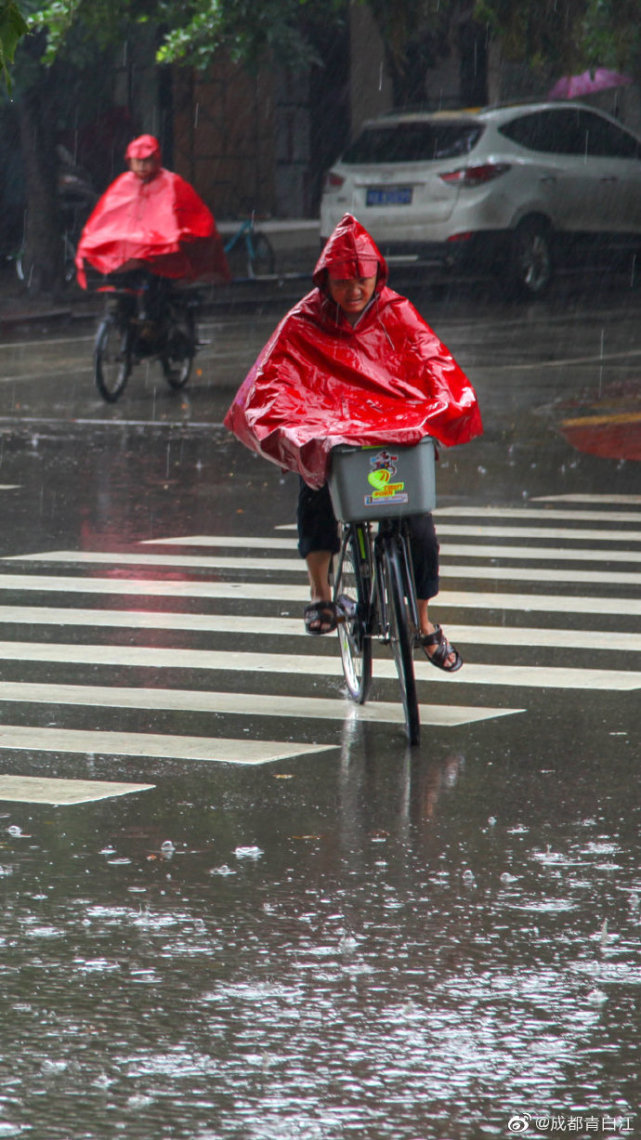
(382,482)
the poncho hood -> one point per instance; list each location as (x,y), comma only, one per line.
(350,252)
(321,381)
(145,146)
(161,225)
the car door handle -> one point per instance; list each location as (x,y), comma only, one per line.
(548,178)
(610,178)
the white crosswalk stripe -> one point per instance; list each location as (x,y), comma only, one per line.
(241,704)
(293,566)
(188,590)
(259,591)
(228,660)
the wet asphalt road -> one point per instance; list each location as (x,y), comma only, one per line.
(235,909)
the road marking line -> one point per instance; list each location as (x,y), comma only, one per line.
(600,534)
(233,541)
(486,530)
(151,619)
(256,591)
(537,554)
(540,574)
(542,513)
(57,792)
(188,561)
(154,745)
(581,498)
(305,664)
(590,639)
(296,566)
(244,704)
(178,425)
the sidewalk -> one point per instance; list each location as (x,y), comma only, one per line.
(296,244)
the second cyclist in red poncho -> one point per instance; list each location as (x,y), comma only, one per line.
(354,362)
(151,219)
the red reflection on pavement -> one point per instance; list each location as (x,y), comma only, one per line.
(616,436)
(607,423)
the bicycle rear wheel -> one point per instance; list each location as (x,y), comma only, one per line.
(351,594)
(260,255)
(112,358)
(401,641)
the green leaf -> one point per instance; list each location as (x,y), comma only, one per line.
(13,27)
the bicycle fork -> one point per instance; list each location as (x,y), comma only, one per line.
(399,540)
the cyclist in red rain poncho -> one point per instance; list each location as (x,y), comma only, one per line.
(151,219)
(354,362)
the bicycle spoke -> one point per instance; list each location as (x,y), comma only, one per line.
(112,359)
(350,593)
(399,633)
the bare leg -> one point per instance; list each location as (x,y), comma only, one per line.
(318,563)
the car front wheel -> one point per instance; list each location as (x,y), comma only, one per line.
(530,267)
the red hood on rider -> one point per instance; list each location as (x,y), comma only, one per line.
(350,252)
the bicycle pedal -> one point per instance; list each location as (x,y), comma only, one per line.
(347,605)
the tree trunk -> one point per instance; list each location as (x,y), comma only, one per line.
(42,247)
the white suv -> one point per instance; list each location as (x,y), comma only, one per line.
(511,189)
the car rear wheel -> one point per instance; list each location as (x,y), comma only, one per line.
(530,267)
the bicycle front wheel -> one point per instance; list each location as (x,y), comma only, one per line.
(399,634)
(178,358)
(112,358)
(260,256)
(351,595)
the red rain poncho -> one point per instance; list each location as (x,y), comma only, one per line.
(321,381)
(161,225)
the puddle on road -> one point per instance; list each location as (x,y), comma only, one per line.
(411,951)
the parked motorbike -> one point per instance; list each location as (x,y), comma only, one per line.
(76,198)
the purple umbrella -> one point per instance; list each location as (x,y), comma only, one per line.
(574,86)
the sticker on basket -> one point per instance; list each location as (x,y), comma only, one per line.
(383,466)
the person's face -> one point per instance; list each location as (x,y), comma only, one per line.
(144,168)
(353,294)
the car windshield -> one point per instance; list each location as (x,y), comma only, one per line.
(413,142)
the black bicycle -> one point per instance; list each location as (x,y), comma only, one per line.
(373,577)
(146,318)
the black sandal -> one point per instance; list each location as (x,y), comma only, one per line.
(440,655)
(322,614)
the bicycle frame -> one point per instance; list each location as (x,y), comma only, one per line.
(244,230)
(376,620)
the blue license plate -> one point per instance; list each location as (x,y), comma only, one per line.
(389,196)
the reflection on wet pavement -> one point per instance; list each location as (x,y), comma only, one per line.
(607,424)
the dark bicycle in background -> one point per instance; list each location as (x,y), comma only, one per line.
(146,318)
